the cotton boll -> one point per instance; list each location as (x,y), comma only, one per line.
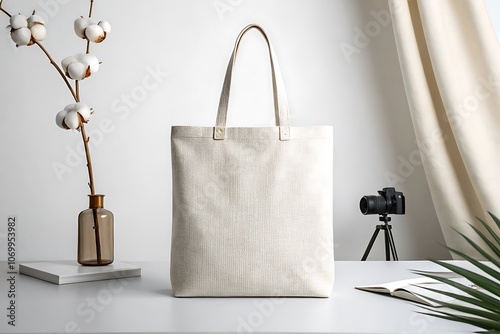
(80,66)
(94,33)
(77,71)
(72,120)
(70,107)
(18,21)
(80,25)
(91,61)
(79,57)
(60,119)
(79,105)
(21,36)
(66,61)
(106,27)
(34,19)
(38,32)
(84,110)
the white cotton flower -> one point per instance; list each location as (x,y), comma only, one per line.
(38,32)
(72,120)
(88,28)
(95,33)
(84,110)
(90,61)
(77,71)
(66,61)
(81,24)
(34,19)
(60,119)
(21,36)
(69,118)
(106,27)
(18,21)
(70,107)
(80,66)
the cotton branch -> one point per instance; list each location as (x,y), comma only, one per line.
(87,50)
(74,92)
(91,7)
(87,154)
(63,76)
(3,10)
(61,73)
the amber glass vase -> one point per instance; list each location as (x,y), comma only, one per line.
(95,234)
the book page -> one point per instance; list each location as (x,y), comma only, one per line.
(413,289)
(390,287)
(418,294)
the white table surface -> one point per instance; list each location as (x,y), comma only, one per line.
(145,305)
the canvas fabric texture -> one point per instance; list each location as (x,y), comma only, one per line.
(252,207)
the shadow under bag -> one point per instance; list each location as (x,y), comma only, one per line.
(252,206)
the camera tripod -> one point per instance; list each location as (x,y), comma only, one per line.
(390,246)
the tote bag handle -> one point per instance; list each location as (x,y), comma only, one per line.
(280,100)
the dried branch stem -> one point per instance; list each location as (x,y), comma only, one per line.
(6,12)
(85,142)
(84,135)
(40,45)
(77,90)
(61,73)
(87,50)
(76,96)
(91,7)
(87,154)
(89,165)
(3,10)
(97,237)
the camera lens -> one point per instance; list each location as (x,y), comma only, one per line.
(370,205)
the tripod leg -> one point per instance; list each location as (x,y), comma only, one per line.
(387,245)
(393,247)
(370,244)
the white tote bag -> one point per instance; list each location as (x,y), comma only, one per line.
(252,206)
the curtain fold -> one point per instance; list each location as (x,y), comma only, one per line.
(450,63)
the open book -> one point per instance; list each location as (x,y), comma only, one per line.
(412,289)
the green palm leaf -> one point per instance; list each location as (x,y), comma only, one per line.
(477,279)
(482,323)
(464,298)
(485,298)
(485,268)
(495,219)
(464,309)
(490,244)
(490,230)
(484,253)
(480,306)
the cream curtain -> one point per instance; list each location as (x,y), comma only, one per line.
(450,62)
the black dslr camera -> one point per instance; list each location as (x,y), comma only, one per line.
(390,201)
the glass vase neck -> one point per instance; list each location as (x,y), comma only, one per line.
(96,201)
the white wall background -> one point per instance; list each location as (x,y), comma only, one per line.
(188,43)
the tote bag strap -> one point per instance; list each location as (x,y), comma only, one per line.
(280,100)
